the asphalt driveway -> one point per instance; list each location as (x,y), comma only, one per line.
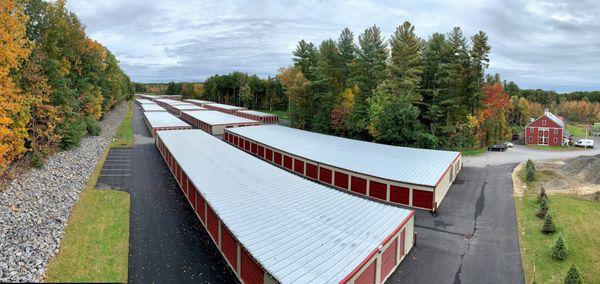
(473,238)
(167,242)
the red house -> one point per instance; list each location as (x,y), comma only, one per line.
(546,130)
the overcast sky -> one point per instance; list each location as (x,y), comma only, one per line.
(538,44)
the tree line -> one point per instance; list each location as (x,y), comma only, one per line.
(55,82)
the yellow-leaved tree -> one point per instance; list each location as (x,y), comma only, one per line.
(14,115)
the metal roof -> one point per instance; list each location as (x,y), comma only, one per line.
(298,230)
(402,164)
(199,101)
(152,107)
(257,113)
(186,106)
(163,119)
(213,117)
(169,101)
(144,101)
(224,106)
(555,119)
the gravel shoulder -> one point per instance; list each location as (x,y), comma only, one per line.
(34,208)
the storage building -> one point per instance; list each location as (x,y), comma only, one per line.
(275,227)
(144,101)
(178,108)
(409,176)
(162,120)
(198,102)
(258,116)
(215,122)
(223,108)
(152,107)
(167,102)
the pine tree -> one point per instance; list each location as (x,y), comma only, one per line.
(542,195)
(406,64)
(543,208)
(347,50)
(480,52)
(530,165)
(573,276)
(559,249)
(548,227)
(305,57)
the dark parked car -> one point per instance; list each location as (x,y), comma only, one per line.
(498,147)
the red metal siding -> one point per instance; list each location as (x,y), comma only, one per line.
(252,273)
(254,148)
(325,175)
(378,190)
(287,162)
(268,154)
(200,208)
(261,151)
(192,194)
(368,276)
(399,194)
(358,185)
(388,259)
(184,182)
(213,224)
(229,246)
(422,198)
(277,159)
(312,170)
(341,180)
(298,166)
(402,240)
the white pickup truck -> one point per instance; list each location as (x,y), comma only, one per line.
(585,143)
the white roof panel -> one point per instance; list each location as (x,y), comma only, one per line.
(169,101)
(402,164)
(163,119)
(144,101)
(186,106)
(213,117)
(152,107)
(257,113)
(199,101)
(224,106)
(298,230)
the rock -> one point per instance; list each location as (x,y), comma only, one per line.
(34,208)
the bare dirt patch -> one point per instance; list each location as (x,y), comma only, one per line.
(578,176)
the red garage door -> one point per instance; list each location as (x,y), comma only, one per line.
(277,158)
(252,273)
(325,175)
(213,225)
(312,170)
(341,180)
(229,246)
(368,276)
(287,162)
(268,154)
(358,185)
(422,198)
(378,190)
(388,259)
(399,194)
(298,166)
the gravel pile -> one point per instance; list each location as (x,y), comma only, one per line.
(35,207)
(585,167)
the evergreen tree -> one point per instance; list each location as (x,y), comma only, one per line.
(327,86)
(548,227)
(437,102)
(543,208)
(479,53)
(541,195)
(305,58)
(530,165)
(347,50)
(559,249)
(406,64)
(573,276)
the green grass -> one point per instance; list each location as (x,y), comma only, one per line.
(95,245)
(124,135)
(578,220)
(554,148)
(473,152)
(282,114)
(576,130)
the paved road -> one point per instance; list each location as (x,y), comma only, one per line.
(167,243)
(473,238)
(521,153)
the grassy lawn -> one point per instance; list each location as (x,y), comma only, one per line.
(473,152)
(576,219)
(576,130)
(124,135)
(554,148)
(282,114)
(95,245)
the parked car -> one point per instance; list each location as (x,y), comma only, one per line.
(585,143)
(509,144)
(498,147)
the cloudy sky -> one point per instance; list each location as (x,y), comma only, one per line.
(538,44)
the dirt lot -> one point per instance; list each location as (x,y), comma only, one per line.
(578,176)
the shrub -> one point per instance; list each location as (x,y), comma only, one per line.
(38,159)
(573,276)
(92,126)
(543,208)
(530,171)
(530,165)
(74,133)
(559,249)
(548,227)
(542,195)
